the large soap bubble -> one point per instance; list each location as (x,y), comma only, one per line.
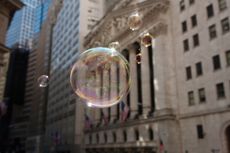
(100,77)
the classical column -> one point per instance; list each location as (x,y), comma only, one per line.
(145,81)
(165,77)
(133,85)
(113,90)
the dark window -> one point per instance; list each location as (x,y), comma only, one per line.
(182,5)
(196,41)
(194,21)
(136,135)
(114,137)
(191,2)
(212,32)
(216,62)
(220,90)
(186,45)
(225,25)
(228,57)
(202,96)
(105,137)
(189,72)
(191,100)
(125,136)
(151,136)
(97,138)
(200,131)
(222,5)
(184,26)
(210,11)
(199,70)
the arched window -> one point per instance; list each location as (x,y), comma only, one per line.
(151,135)
(137,135)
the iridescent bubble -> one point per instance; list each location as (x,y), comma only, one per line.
(100,77)
(146,39)
(135,21)
(43,81)
(138,58)
(115,45)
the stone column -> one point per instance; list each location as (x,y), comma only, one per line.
(133,85)
(165,77)
(113,90)
(97,90)
(145,81)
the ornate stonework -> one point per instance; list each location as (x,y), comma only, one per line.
(114,27)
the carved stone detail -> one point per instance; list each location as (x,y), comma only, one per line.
(114,26)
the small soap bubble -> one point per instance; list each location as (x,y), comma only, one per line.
(99,75)
(138,58)
(135,21)
(146,39)
(43,81)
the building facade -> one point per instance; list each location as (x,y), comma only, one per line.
(73,22)
(21,30)
(179,95)
(7,10)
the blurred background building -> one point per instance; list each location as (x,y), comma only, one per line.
(7,10)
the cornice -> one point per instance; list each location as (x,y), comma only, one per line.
(114,25)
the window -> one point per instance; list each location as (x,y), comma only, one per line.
(186,45)
(216,62)
(210,11)
(188,72)
(228,57)
(151,135)
(182,5)
(212,32)
(199,70)
(191,100)
(196,41)
(184,26)
(225,25)
(191,2)
(200,131)
(220,90)
(222,5)
(136,135)
(202,97)
(194,21)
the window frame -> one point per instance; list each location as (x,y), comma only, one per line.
(210,11)
(191,98)
(218,91)
(199,69)
(212,31)
(225,22)
(216,62)
(188,70)
(194,22)
(202,95)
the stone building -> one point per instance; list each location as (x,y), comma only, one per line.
(179,95)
